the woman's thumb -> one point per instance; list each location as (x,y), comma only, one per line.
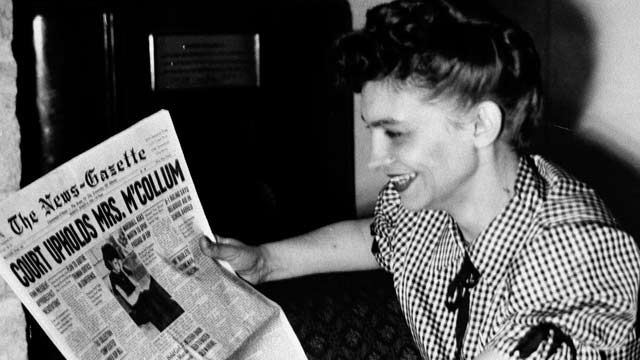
(214,250)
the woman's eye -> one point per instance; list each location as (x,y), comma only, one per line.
(393,134)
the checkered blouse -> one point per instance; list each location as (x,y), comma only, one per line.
(552,276)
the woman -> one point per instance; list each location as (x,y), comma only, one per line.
(148,301)
(496,253)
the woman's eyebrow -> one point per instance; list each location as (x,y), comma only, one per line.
(379,122)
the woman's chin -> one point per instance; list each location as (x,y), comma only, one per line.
(412,203)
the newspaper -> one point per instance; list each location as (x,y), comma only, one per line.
(104,253)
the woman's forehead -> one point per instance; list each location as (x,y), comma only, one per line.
(384,98)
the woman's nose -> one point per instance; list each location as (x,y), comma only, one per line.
(379,162)
(380,155)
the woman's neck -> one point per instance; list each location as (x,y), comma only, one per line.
(491,190)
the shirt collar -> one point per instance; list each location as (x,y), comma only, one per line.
(528,180)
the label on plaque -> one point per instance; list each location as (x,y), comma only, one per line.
(204,61)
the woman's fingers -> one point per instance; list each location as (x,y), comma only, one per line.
(211,249)
(243,259)
(233,251)
(228,241)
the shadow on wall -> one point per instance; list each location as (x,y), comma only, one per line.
(564,35)
(572,62)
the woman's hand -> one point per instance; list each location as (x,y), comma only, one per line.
(249,262)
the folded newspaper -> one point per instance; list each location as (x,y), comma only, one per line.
(104,253)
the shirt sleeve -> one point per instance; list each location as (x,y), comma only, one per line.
(574,289)
(382,227)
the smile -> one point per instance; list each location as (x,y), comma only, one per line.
(402,182)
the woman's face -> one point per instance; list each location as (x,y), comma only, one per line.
(424,147)
(116,265)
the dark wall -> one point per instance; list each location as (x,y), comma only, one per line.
(278,156)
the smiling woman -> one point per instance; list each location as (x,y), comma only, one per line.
(418,143)
(494,251)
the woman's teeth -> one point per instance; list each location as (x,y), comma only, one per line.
(402,182)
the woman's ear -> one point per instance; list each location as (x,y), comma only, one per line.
(488,123)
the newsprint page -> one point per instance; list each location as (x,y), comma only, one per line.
(103,251)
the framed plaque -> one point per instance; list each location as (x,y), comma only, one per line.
(204,61)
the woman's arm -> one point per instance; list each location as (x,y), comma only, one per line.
(132,298)
(343,246)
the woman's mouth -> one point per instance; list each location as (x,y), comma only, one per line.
(402,182)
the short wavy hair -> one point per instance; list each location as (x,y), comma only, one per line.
(109,253)
(461,49)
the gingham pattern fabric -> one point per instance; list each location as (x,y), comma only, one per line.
(554,255)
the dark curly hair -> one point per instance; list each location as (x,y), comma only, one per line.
(109,253)
(461,49)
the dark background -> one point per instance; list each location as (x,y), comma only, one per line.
(268,161)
